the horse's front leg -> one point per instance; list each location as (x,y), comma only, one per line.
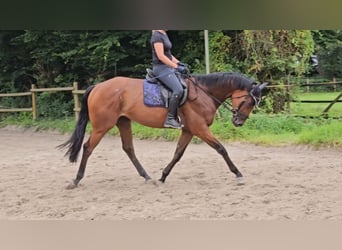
(210,139)
(182,144)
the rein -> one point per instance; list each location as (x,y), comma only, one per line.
(224,103)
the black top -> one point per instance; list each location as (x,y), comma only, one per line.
(158,37)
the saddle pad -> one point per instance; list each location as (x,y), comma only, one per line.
(152,95)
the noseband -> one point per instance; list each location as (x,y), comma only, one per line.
(236,111)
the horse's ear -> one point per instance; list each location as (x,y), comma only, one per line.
(263,85)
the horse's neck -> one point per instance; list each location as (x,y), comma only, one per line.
(219,92)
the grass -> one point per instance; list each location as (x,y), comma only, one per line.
(327,134)
(259,129)
(283,130)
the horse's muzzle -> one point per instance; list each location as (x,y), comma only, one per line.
(239,118)
(237,123)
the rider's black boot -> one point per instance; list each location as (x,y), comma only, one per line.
(172,117)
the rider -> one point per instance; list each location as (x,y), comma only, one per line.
(164,66)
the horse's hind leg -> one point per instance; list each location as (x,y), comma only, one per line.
(124,125)
(182,144)
(88,148)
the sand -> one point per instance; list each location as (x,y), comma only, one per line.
(281,183)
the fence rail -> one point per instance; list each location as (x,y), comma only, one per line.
(338,99)
(320,84)
(315,101)
(334,84)
(16,110)
(33,93)
(15,94)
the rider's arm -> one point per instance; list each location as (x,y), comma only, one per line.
(159,49)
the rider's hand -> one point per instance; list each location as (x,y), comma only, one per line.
(182,69)
(181,63)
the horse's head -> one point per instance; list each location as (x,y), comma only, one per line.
(243,102)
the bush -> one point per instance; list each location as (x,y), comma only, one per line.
(54,105)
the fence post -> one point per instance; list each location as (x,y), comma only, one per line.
(34,102)
(288,97)
(334,86)
(76,101)
(326,110)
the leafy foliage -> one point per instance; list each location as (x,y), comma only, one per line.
(54,58)
(274,56)
(219,52)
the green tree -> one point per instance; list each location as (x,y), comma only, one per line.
(15,64)
(329,52)
(188,46)
(273,56)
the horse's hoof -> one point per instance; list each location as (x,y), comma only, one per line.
(240,181)
(72,185)
(153,182)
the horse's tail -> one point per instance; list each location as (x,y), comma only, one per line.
(75,142)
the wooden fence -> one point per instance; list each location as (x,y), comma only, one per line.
(334,84)
(33,93)
(308,84)
(76,92)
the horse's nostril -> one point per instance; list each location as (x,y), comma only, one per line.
(237,123)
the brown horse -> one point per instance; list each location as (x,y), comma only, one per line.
(119,101)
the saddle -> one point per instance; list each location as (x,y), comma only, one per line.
(156,94)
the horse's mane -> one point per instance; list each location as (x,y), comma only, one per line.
(221,79)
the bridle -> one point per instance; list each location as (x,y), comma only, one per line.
(236,111)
